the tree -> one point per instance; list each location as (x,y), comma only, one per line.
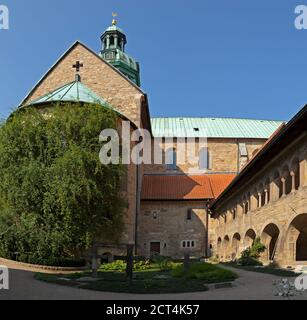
(56,197)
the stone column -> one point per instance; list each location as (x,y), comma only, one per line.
(303,173)
(115,41)
(292,174)
(266,191)
(283,186)
(259,199)
(108,42)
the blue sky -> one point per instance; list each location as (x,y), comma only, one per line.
(239,58)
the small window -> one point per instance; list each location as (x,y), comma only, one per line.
(204,159)
(155,215)
(189,215)
(190,244)
(243,150)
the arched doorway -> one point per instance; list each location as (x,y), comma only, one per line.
(219,247)
(249,238)
(236,243)
(107,257)
(226,243)
(269,238)
(297,239)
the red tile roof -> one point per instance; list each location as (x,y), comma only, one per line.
(183,187)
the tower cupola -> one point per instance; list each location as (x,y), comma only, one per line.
(113,51)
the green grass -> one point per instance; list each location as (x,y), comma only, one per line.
(267,270)
(206,272)
(145,281)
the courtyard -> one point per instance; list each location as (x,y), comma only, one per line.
(248,286)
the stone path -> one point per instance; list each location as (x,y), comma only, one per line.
(250,286)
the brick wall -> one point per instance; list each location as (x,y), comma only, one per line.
(166,222)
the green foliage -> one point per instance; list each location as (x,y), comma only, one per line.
(204,271)
(55,195)
(250,256)
(163,263)
(120,266)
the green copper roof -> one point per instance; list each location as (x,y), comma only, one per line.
(72,92)
(115,28)
(213,128)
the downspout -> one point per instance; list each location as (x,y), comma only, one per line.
(137,209)
(207,255)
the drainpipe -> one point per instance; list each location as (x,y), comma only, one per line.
(207,231)
(138,202)
(137,209)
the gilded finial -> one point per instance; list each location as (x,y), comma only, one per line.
(114,21)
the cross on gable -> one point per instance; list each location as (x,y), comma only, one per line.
(77,66)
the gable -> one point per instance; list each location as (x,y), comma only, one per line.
(102,78)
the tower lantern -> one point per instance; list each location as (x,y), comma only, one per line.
(113,51)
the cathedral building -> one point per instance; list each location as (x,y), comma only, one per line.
(175,207)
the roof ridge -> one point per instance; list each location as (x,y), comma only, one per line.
(216,118)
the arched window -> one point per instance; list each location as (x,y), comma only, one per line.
(171,159)
(204,159)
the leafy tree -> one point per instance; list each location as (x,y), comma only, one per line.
(250,256)
(56,197)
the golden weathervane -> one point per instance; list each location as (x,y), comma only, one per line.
(114,15)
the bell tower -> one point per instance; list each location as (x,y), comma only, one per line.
(113,51)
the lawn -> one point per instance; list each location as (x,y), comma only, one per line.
(112,278)
(265,269)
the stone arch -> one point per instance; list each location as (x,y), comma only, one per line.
(276,185)
(288,180)
(269,237)
(219,246)
(226,244)
(296,239)
(236,245)
(107,257)
(249,238)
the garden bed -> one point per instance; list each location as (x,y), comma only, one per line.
(149,280)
